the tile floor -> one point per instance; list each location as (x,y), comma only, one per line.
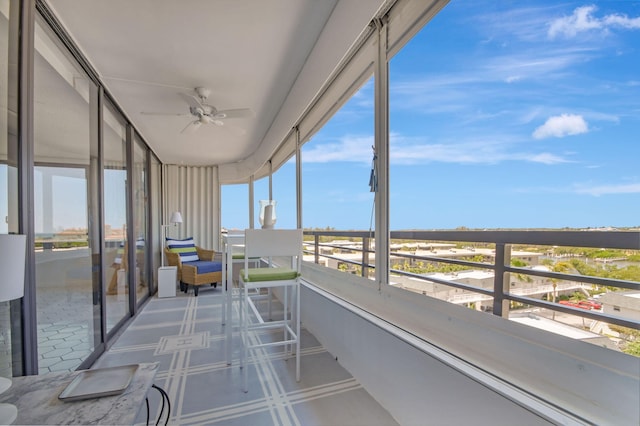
(185,335)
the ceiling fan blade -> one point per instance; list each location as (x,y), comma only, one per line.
(238,131)
(191,100)
(168,114)
(234,113)
(192,127)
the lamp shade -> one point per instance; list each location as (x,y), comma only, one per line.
(176,217)
(12,264)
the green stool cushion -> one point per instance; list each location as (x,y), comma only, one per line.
(241,256)
(238,256)
(270,274)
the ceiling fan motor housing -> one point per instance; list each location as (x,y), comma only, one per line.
(203,93)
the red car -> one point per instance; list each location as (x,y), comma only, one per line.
(582,304)
(574,304)
(591,304)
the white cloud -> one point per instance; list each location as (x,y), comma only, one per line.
(631,188)
(561,125)
(348,148)
(582,20)
(515,23)
(622,21)
(412,151)
(547,158)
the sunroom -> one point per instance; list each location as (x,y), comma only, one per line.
(121,113)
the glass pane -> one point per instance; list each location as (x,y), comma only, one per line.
(66,285)
(235,210)
(502,125)
(115,216)
(140,218)
(10,325)
(284,192)
(498,125)
(260,194)
(337,166)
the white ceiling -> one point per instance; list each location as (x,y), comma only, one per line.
(271,56)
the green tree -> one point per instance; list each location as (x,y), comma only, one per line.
(632,348)
(563,268)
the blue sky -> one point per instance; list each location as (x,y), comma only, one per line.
(503,115)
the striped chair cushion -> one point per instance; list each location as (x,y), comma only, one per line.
(185,248)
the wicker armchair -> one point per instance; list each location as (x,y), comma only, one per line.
(188,271)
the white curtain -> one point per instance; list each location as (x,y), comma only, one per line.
(195,193)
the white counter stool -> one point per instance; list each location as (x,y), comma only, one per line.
(233,253)
(270,243)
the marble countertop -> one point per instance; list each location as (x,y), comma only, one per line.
(37,400)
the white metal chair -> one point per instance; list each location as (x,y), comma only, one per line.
(270,243)
(232,254)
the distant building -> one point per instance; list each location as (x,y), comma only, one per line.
(621,303)
(352,251)
(566,330)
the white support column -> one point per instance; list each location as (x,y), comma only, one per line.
(270,181)
(219,208)
(381,77)
(298,180)
(251,201)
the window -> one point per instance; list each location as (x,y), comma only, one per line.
(115,216)
(67,247)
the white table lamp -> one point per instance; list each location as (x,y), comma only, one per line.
(176,218)
(12,263)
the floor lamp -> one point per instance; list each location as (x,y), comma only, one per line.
(12,263)
(176,218)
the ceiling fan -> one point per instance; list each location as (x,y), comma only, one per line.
(203,113)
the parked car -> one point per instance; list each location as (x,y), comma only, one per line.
(582,304)
(591,303)
(574,304)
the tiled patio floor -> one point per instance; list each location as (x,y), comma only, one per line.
(185,335)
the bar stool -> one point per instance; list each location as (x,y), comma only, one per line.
(270,243)
(232,254)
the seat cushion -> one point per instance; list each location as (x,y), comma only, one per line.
(205,266)
(270,274)
(185,248)
(237,256)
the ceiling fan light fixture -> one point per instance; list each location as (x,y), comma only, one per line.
(202,92)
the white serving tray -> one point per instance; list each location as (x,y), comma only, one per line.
(99,382)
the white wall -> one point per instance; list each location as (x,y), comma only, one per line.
(438,363)
(415,388)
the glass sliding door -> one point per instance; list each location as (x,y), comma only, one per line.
(140,214)
(10,318)
(65,180)
(115,216)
